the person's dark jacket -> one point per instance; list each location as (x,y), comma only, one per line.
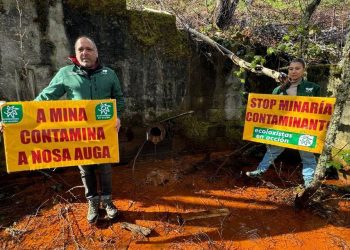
(305,88)
(81,84)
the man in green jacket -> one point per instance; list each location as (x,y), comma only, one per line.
(87,79)
(294,85)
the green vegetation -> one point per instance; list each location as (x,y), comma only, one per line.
(340,158)
(151,29)
(286,28)
(158,29)
(199,131)
(194,129)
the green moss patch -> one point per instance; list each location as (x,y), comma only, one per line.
(204,132)
(158,29)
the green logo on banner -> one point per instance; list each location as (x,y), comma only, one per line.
(285,137)
(104,111)
(12,113)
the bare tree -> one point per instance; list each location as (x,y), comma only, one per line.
(305,25)
(23,76)
(310,9)
(342,94)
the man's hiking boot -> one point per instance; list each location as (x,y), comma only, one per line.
(92,214)
(107,204)
(255,174)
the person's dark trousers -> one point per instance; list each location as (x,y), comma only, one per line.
(88,176)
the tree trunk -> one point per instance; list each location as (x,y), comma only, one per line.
(310,9)
(342,94)
(305,21)
(224,12)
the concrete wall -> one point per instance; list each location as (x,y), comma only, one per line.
(161,70)
(154,61)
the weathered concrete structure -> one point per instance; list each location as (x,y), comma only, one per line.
(162,71)
(153,59)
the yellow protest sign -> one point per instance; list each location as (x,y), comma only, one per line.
(297,122)
(50,134)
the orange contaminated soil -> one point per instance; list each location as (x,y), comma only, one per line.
(48,211)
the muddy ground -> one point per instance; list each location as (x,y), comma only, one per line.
(47,210)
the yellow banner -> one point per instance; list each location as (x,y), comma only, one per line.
(47,134)
(296,122)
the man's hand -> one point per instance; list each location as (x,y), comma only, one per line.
(1,124)
(118,124)
(283,78)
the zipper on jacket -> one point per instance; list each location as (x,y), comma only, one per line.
(90,88)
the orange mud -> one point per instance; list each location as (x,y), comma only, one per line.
(49,212)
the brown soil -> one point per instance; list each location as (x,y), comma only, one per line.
(39,211)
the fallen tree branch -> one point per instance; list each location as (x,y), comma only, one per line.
(258,69)
(204,214)
(342,94)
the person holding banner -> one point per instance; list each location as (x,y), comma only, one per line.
(2,103)
(87,79)
(293,85)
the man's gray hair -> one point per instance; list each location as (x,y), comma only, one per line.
(87,37)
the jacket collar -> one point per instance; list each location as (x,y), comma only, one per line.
(84,71)
(301,83)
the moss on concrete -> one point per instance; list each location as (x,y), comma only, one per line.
(197,131)
(336,70)
(158,30)
(101,7)
(234,130)
(150,29)
(194,129)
